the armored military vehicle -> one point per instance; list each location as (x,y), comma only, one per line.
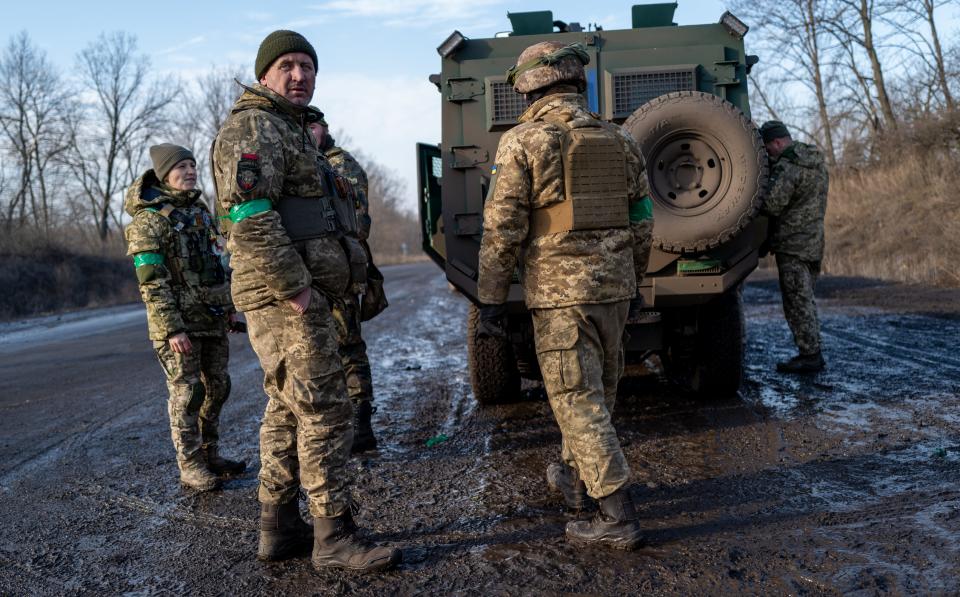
(681,91)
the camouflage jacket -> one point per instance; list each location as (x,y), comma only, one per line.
(263,153)
(176,250)
(797,202)
(562,269)
(346,166)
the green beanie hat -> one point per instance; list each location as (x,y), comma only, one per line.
(773,129)
(166,155)
(277,44)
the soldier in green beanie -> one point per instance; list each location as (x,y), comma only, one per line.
(796,205)
(176,251)
(289,269)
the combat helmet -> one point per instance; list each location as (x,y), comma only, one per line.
(548,63)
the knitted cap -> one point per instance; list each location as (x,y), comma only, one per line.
(277,44)
(166,155)
(773,129)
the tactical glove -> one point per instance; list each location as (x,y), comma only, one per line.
(492,321)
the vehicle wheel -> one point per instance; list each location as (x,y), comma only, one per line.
(493,367)
(706,165)
(711,362)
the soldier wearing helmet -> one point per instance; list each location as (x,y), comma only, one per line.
(570,196)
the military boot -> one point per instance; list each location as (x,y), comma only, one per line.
(565,479)
(363,438)
(224,466)
(614,525)
(336,545)
(283,533)
(195,474)
(803,363)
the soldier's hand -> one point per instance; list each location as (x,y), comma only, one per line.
(492,321)
(637,305)
(180,343)
(300,302)
(235,324)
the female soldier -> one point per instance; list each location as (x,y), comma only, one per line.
(176,251)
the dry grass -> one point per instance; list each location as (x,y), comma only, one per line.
(58,275)
(897,222)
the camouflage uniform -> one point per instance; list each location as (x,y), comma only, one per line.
(264,155)
(353,349)
(796,205)
(578,284)
(174,242)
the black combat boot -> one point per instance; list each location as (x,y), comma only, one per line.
(565,479)
(363,438)
(614,525)
(336,545)
(283,534)
(803,363)
(195,474)
(224,466)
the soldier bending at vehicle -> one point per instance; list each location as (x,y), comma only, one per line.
(796,205)
(570,195)
(288,268)
(353,350)
(176,250)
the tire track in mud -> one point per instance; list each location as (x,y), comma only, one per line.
(894,350)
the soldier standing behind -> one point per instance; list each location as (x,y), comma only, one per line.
(174,243)
(353,350)
(796,205)
(288,267)
(559,164)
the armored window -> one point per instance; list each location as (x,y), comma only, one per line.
(504,105)
(631,88)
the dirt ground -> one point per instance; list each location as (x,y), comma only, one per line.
(847,482)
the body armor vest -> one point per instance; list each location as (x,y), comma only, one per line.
(594,182)
(194,256)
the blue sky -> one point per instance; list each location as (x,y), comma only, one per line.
(375,54)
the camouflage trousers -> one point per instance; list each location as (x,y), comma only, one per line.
(307,427)
(198,384)
(580,350)
(797,281)
(353,350)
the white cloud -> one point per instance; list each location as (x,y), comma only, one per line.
(409,13)
(258,16)
(193,41)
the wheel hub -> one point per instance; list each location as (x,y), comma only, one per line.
(687,171)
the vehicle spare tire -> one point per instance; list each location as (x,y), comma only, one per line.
(706,166)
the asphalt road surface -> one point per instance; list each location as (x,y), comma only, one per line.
(847,482)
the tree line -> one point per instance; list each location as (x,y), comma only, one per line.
(861,78)
(71,146)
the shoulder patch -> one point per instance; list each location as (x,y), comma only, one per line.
(248,172)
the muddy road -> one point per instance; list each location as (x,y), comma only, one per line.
(846,482)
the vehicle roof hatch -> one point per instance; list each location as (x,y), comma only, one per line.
(654,15)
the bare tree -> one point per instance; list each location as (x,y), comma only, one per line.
(124,112)
(199,116)
(34,103)
(852,25)
(797,34)
(931,50)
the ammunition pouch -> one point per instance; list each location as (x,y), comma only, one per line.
(594,182)
(305,218)
(374,299)
(358,259)
(346,215)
